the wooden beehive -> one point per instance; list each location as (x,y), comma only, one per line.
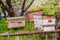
(16,22)
(30,17)
(49,22)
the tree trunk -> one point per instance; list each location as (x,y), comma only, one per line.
(3,11)
(25,9)
(22,13)
(9,4)
(11,13)
(10,7)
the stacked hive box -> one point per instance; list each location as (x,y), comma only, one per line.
(49,22)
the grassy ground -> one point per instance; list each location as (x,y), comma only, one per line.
(28,27)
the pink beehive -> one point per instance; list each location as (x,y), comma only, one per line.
(30,17)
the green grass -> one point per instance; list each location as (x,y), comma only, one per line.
(28,27)
(4,27)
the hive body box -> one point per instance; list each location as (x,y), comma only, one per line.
(38,21)
(49,22)
(16,22)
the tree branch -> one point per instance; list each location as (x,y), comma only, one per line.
(29,5)
(23,5)
(22,9)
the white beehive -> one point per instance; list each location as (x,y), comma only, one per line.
(49,22)
(16,22)
(45,22)
(38,21)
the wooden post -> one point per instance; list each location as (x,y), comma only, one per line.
(56,36)
(53,35)
(46,36)
(16,37)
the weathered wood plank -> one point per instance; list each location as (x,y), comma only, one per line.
(31,33)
